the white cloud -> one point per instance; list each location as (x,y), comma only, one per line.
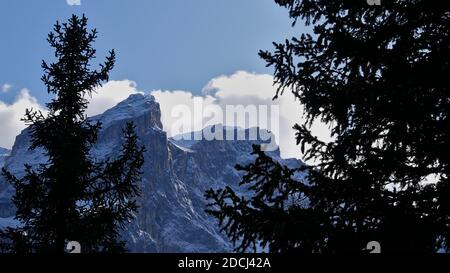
(6,87)
(109,95)
(104,98)
(241,88)
(170,99)
(73,2)
(10,115)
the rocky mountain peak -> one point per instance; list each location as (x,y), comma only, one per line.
(176,174)
(137,107)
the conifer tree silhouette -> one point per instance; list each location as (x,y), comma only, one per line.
(72,197)
(379,77)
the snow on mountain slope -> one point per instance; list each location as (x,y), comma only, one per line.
(176,174)
(4,153)
(211,163)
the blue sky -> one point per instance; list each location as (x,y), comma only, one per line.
(160,44)
(175,50)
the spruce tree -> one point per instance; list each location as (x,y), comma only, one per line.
(73,197)
(379,77)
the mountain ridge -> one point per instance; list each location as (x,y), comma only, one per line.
(171,217)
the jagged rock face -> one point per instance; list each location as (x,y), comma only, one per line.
(5,209)
(176,174)
(20,155)
(4,153)
(205,164)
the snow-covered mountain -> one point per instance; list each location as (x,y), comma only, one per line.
(4,153)
(176,174)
